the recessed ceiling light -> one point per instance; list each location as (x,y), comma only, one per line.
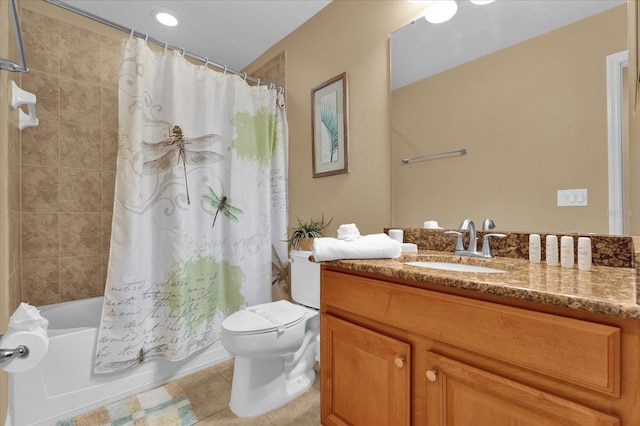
(166,18)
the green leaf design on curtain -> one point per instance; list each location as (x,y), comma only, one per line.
(247,142)
(195,285)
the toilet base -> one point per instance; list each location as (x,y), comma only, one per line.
(263,385)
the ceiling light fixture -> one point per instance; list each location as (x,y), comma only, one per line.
(482,2)
(440,11)
(166,18)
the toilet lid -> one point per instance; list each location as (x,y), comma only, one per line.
(264,318)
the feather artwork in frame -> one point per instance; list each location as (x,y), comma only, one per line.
(330,127)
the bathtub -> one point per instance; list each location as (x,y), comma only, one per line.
(63,385)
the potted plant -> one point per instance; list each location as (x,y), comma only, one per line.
(302,235)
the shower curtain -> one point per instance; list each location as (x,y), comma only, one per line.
(200,209)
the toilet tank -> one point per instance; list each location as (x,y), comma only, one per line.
(305,279)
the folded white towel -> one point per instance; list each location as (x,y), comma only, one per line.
(348,232)
(373,246)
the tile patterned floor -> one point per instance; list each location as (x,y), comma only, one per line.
(209,391)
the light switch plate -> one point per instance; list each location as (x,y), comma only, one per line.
(572,197)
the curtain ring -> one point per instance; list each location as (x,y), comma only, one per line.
(245,76)
(206,62)
(146,37)
(272,86)
(258,83)
(131,35)
(225,70)
(165,47)
(183,52)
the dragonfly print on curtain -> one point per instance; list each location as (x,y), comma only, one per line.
(180,151)
(200,209)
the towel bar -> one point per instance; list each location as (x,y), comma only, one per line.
(462,151)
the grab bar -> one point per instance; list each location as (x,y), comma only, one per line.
(7,64)
(7,354)
(462,151)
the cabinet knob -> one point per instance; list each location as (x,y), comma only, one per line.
(399,362)
(432,375)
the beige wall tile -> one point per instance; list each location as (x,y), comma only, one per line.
(80,57)
(109,150)
(46,87)
(111,51)
(14,169)
(30,17)
(41,46)
(110,109)
(41,144)
(40,188)
(39,235)
(79,103)
(80,277)
(80,146)
(80,190)
(108,190)
(76,31)
(107,218)
(80,234)
(40,281)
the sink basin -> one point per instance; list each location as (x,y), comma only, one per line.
(458,267)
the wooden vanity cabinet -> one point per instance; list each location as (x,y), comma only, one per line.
(396,354)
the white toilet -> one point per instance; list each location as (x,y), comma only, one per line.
(276,345)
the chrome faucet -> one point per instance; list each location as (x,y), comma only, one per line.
(467,225)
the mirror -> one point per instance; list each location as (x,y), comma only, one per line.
(522,86)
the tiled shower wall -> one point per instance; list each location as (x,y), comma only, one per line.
(68,162)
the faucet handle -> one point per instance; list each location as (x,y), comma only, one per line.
(488,224)
(486,248)
(459,241)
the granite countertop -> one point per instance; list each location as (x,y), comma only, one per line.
(604,290)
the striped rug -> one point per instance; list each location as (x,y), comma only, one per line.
(166,405)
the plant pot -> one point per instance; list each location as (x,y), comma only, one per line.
(306,244)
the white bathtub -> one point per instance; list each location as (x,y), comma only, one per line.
(63,385)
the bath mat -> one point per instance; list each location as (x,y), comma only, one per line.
(166,405)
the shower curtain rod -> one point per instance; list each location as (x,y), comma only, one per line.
(160,43)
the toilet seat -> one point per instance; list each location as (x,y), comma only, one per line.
(265,318)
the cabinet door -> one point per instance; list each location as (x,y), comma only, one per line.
(365,376)
(458,394)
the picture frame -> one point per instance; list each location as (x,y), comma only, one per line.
(330,127)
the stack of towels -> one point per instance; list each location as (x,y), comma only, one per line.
(351,245)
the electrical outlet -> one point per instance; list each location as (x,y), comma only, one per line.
(572,197)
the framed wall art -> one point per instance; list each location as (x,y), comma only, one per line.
(330,127)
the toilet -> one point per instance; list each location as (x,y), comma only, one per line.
(276,344)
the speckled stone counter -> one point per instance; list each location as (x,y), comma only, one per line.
(604,290)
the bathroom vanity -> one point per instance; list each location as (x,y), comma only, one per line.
(534,345)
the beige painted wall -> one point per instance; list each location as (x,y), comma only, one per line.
(351,36)
(524,142)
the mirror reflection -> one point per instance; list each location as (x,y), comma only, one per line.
(522,86)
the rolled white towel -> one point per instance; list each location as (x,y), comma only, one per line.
(373,246)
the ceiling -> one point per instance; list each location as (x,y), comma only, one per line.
(228,32)
(421,49)
(236,32)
